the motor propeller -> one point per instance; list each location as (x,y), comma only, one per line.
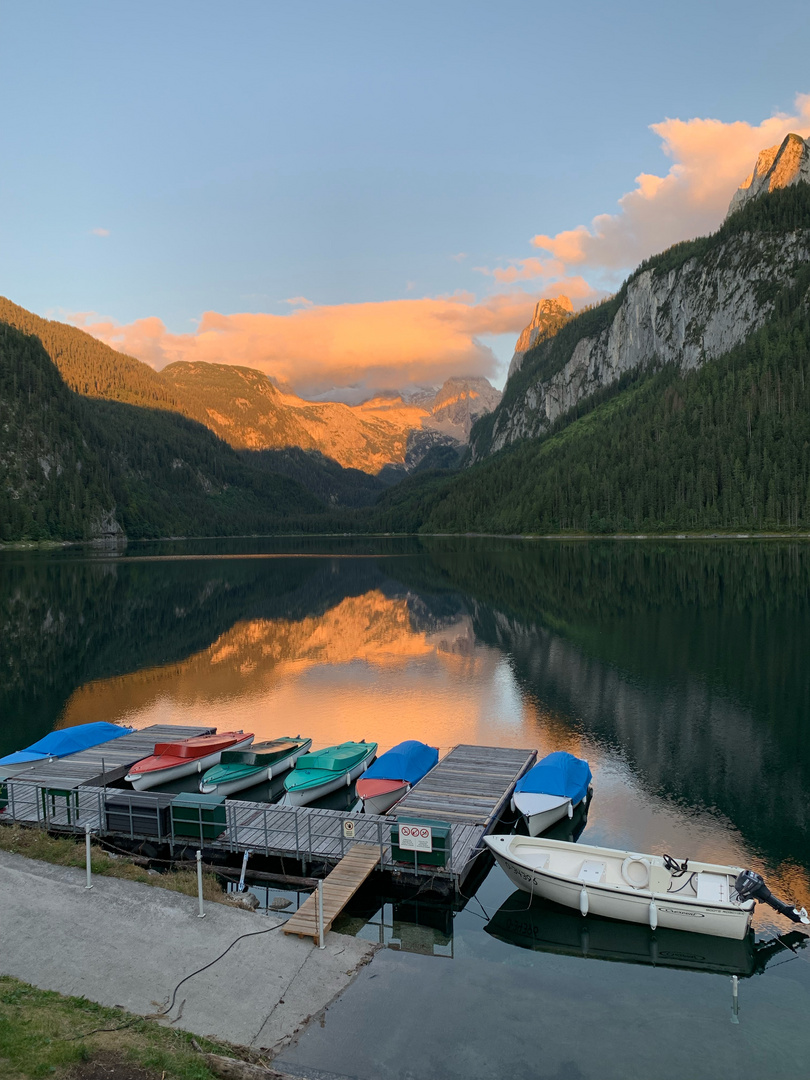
(751,886)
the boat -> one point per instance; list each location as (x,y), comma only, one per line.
(240,769)
(544,927)
(171,760)
(394,773)
(704,898)
(552,790)
(66,741)
(323,772)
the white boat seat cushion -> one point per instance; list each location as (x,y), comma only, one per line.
(712,887)
(591,872)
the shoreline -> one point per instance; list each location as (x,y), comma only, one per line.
(122,543)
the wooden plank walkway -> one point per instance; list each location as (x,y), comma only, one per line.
(338,889)
(106,763)
(469,789)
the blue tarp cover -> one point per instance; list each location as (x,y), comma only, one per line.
(558,774)
(68,741)
(408,760)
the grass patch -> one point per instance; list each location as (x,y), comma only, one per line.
(65,851)
(44,1034)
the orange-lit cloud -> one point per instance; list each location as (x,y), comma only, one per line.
(390,343)
(98,231)
(710,160)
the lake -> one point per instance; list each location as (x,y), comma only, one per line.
(678,669)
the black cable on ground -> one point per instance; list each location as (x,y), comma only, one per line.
(255,933)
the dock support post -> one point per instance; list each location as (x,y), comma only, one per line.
(735,1001)
(320,915)
(89,884)
(201,914)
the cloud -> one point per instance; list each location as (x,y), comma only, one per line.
(98,231)
(389,343)
(462,255)
(298,301)
(710,160)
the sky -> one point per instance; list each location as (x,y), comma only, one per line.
(368,195)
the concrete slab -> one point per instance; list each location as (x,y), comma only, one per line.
(128,944)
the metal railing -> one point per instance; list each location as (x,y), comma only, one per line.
(305,832)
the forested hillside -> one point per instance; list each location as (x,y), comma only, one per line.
(73,468)
(723,447)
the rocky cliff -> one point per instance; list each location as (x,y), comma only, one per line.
(549,316)
(692,304)
(779,166)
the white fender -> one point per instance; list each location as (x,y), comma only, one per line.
(269,772)
(583,900)
(512,804)
(348,779)
(653,915)
(570,809)
(199,766)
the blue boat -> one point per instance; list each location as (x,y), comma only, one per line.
(553,788)
(67,741)
(394,773)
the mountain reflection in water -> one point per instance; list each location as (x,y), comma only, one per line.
(679,671)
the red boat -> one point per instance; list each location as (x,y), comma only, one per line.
(171,760)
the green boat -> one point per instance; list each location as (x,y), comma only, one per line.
(239,769)
(327,770)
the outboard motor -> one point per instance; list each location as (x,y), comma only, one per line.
(750,886)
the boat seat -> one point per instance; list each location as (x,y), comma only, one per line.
(712,887)
(591,872)
(529,854)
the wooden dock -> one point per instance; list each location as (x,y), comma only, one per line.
(104,764)
(338,889)
(468,790)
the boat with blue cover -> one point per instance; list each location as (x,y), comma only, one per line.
(240,769)
(394,773)
(66,741)
(327,770)
(551,789)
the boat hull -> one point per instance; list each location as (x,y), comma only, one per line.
(716,920)
(305,796)
(540,812)
(155,777)
(382,801)
(255,776)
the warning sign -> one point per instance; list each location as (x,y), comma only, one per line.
(348,829)
(416,838)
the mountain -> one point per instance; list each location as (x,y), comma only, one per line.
(682,403)
(75,467)
(549,316)
(779,166)
(458,404)
(248,411)
(689,305)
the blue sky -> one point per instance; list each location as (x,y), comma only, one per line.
(239,155)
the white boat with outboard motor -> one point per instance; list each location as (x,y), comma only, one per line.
(706,898)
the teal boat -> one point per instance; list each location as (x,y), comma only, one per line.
(240,769)
(327,770)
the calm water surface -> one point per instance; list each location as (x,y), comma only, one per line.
(679,670)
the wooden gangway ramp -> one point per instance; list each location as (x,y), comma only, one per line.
(338,889)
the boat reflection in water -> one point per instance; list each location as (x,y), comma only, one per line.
(544,927)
